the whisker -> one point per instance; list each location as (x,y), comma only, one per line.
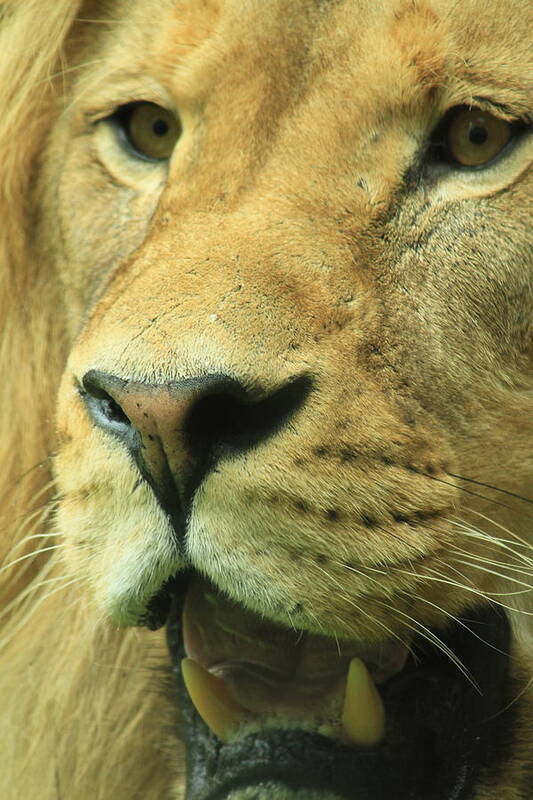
(46,487)
(488,596)
(473,494)
(418,628)
(478,566)
(511,703)
(31,589)
(34,521)
(75,68)
(515,567)
(490,486)
(503,544)
(38,602)
(30,555)
(432,638)
(507,574)
(483,595)
(461,623)
(359,610)
(18,479)
(448,614)
(37,536)
(519,539)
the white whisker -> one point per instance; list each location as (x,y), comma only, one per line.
(30,555)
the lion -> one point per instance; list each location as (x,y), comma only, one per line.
(267,411)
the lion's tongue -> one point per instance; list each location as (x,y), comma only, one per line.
(239,666)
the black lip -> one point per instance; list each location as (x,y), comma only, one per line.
(442,733)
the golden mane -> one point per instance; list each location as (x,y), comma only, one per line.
(77,703)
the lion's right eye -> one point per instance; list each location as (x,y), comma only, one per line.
(148,130)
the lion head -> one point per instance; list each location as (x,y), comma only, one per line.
(268,267)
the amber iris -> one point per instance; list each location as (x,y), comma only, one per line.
(475,137)
(153,131)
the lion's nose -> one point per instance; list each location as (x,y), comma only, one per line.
(177,432)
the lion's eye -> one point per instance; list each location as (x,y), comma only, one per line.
(149,130)
(475,137)
(472,137)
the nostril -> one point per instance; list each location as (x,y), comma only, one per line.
(112,410)
(235,420)
(103,408)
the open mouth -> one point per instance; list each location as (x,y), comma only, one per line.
(305,715)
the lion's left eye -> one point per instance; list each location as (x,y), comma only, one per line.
(476,137)
(472,137)
(149,130)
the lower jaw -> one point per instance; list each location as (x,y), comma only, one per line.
(442,733)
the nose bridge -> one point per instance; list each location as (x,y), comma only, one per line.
(250,295)
(284,260)
(226,279)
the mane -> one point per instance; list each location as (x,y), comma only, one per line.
(81,711)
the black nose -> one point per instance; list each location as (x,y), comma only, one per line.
(177,432)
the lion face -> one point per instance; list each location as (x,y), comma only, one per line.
(296,248)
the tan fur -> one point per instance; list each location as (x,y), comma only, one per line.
(281,242)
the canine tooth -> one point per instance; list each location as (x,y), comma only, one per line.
(212,699)
(363,715)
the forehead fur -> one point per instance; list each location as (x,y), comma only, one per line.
(402,46)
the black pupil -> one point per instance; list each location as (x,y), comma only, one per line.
(160,127)
(478,135)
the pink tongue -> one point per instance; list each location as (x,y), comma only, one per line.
(269,667)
